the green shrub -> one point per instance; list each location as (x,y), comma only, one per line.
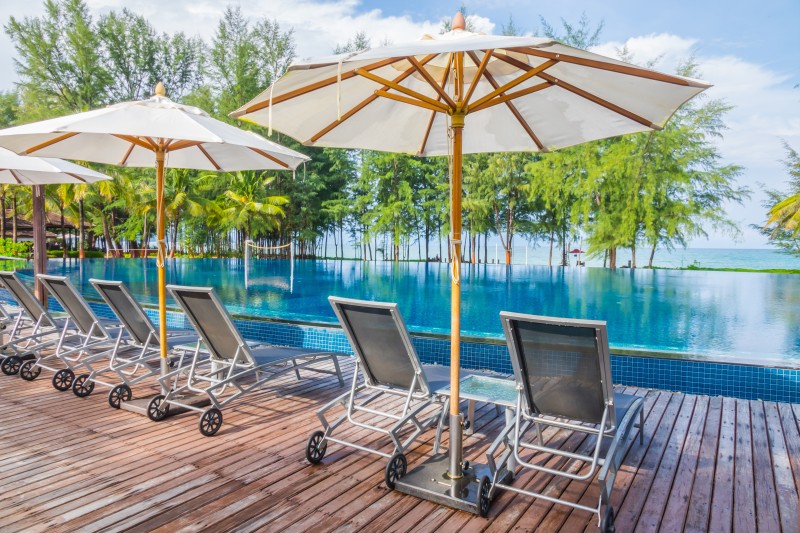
(20,249)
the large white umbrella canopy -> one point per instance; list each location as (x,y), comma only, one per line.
(159,133)
(37,171)
(464,92)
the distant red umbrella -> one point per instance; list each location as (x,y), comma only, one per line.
(577,251)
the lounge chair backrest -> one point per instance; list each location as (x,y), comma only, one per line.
(128,310)
(25,298)
(212,322)
(562,366)
(76,307)
(380,340)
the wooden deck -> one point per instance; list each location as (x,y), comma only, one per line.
(71,464)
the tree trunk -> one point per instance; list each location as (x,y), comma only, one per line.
(633,256)
(3,219)
(472,251)
(81,235)
(63,235)
(612,257)
(552,238)
(427,238)
(106,234)
(652,254)
(13,218)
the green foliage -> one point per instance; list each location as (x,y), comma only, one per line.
(9,248)
(783,208)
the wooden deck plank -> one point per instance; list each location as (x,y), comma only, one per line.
(677,497)
(721,519)
(767,515)
(744,508)
(699,510)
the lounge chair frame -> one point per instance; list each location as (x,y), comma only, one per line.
(417,397)
(608,450)
(214,374)
(139,361)
(32,324)
(83,334)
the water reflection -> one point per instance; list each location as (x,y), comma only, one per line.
(720,313)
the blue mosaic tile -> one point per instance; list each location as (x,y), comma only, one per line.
(688,376)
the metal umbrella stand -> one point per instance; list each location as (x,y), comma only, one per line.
(458,93)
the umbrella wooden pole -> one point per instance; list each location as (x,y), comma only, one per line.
(455,303)
(162,254)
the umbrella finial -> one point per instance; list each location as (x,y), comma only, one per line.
(160,90)
(458,21)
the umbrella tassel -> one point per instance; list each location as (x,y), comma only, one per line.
(339,90)
(269,118)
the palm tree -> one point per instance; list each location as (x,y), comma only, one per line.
(250,207)
(785,214)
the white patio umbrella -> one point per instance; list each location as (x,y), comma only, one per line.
(154,132)
(464,92)
(37,172)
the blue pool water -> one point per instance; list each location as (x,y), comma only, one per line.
(742,316)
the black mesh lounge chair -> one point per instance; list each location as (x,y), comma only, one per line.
(563,376)
(227,366)
(34,329)
(389,365)
(141,357)
(83,335)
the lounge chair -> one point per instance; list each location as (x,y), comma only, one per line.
(141,358)
(389,365)
(83,335)
(226,366)
(563,376)
(34,329)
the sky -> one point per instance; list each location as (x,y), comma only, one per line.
(747,49)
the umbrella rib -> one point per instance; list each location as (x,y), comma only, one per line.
(180,145)
(262,153)
(484,62)
(312,87)
(364,103)
(445,75)
(436,87)
(511,96)
(50,142)
(512,108)
(399,88)
(498,91)
(620,69)
(16,177)
(127,155)
(601,102)
(412,101)
(211,159)
(71,175)
(135,140)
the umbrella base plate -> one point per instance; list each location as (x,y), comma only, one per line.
(430,481)
(139,405)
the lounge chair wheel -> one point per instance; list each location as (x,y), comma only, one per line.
(82,386)
(11,365)
(62,380)
(484,496)
(155,411)
(316,447)
(395,469)
(29,371)
(210,421)
(607,523)
(119,394)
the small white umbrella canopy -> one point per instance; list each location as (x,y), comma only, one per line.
(464,92)
(28,170)
(37,171)
(159,133)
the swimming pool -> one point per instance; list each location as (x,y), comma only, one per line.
(745,317)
